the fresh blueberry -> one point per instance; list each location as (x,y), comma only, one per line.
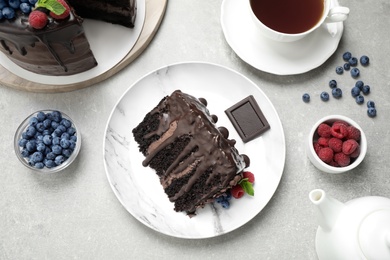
(67,152)
(371,112)
(71,130)
(346,56)
(347,66)
(228,195)
(25,153)
(31,146)
(370,103)
(225,204)
(33,121)
(56,149)
(56,140)
(36,157)
(39,138)
(64,143)
(25,8)
(49,163)
(40,127)
(31,131)
(32,2)
(14,4)
(57,132)
(332,83)
(54,124)
(355,91)
(41,116)
(65,136)
(337,93)
(39,165)
(306,98)
(364,60)
(324,96)
(359,99)
(65,122)
(47,139)
(339,70)
(72,145)
(51,156)
(355,72)
(24,1)
(47,123)
(353,61)
(359,84)
(22,142)
(59,160)
(366,89)
(73,138)
(2,5)
(219,199)
(41,147)
(56,116)
(61,128)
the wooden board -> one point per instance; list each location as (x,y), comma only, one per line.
(155,10)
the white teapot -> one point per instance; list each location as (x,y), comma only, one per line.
(358,229)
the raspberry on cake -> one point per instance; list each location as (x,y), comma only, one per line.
(194,160)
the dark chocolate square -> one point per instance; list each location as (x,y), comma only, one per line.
(248,119)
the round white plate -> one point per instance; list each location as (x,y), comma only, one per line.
(276,57)
(110,43)
(138,188)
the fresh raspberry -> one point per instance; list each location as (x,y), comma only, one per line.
(353,133)
(350,146)
(339,130)
(323,141)
(37,19)
(340,122)
(250,176)
(317,147)
(335,144)
(323,130)
(237,191)
(342,159)
(326,154)
(356,153)
(334,164)
(65,14)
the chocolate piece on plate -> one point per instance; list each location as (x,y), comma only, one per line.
(248,119)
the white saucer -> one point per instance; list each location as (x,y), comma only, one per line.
(109,48)
(276,57)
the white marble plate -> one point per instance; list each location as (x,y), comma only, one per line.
(278,58)
(110,43)
(138,188)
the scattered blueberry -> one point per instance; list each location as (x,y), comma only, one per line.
(41,146)
(306,98)
(371,112)
(359,84)
(225,204)
(8,13)
(353,61)
(366,89)
(355,91)
(359,99)
(339,70)
(332,83)
(347,66)
(364,60)
(355,72)
(346,56)
(337,93)
(25,8)
(324,96)
(370,103)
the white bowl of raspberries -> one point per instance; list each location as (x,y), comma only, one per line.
(336,144)
(47,141)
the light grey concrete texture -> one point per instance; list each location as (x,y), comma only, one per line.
(74,214)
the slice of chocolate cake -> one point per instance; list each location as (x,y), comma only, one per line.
(195,160)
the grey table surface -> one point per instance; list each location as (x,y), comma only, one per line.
(75,214)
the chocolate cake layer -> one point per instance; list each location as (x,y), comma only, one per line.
(61,49)
(194,160)
(121,12)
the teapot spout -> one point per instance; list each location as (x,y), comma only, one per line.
(327,207)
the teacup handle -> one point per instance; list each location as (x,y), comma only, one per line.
(337,14)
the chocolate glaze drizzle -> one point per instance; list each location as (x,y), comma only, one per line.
(208,149)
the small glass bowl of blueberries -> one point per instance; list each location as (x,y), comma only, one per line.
(47,141)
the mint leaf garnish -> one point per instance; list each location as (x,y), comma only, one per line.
(247,186)
(51,5)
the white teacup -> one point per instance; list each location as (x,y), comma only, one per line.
(329,15)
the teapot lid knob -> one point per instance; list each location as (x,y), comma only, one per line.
(374,235)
